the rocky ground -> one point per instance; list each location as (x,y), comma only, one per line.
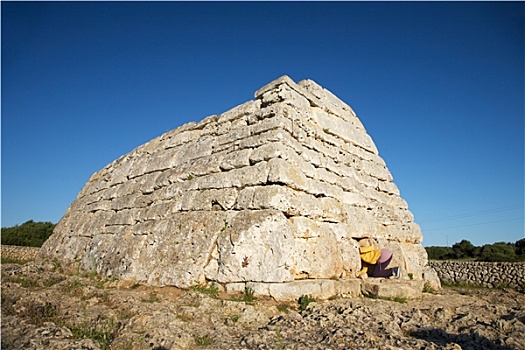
(43,308)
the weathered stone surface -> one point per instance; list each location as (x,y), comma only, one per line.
(320,288)
(431,278)
(318,257)
(43,309)
(253,247)
(275,190)
(315,288)
(392,288)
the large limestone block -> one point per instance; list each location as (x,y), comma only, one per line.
(286,200)
(69,250)
(319,256)
(236,159)
(415,259)
(282,171)
(342,129)
(108,256)
(320,288)
(349,249)
(329,101)
(315,288)
(348,287)
(178,256)
(254,246)
(343,260)
(361,222)
(431,278)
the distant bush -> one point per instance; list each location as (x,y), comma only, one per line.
(440,253)
(520,247)
(496,252)
(30,234)
(464,249)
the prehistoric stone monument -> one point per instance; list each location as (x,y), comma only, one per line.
(271,192)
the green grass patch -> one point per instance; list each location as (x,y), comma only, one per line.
(283,307)
(57,266)
(39,313)
(25,282)
(152,298)
(8,260)
(427,288)
(51,282)
(203,340)
(211,290)
(462,285)
(474,286)
(304,300)
(184,317)
(101,330)
(279,337)
(401,300)
(249,295)
(72,287)
(503,285)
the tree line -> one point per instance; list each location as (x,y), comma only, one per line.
(495,252)
(29,234)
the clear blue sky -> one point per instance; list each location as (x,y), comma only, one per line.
(439,87)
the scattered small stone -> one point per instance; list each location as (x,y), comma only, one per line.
(59,316)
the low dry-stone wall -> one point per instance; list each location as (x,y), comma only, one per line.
(486,274)
(276,190)
(19,253)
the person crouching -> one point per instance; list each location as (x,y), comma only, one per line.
(375,261)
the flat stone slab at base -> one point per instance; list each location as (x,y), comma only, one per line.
(392,288)
(328,288)
(317,288)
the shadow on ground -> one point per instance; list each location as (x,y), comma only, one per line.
(472,341)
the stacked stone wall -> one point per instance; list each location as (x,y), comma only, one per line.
(19,253)
(280,189)
(485,274)
(251,195)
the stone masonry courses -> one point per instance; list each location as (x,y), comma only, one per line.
(273,194)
